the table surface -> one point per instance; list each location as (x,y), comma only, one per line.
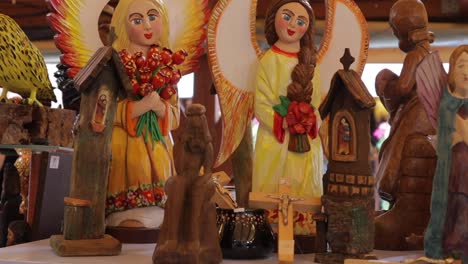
(37,148)
(41,252)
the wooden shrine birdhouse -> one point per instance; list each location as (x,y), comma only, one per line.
(348,183)
(100,83)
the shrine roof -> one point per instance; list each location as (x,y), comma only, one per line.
(93,68)
(351,81)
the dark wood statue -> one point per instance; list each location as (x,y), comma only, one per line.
(407,158)
(188,233)
(348,199)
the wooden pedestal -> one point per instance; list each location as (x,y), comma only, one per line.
(106,246)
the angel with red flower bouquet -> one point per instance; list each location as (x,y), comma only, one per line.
(156,73)
(141,144)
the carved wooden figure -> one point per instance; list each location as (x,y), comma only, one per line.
(288,159)
(84,209)
(348,183)
(407,157)
(188,233)
(446,103)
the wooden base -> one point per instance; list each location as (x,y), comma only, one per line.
(134,235)
(339,258)
(106,246)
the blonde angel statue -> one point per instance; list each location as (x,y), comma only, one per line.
(293,73)
(139,168)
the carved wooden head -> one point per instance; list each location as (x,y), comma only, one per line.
(458,72)
(270,26)
(196,133)
(140,23)
(408,19)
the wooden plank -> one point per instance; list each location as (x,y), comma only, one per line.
(379,10)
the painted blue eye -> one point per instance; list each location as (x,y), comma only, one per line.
(286,17)
(152,17)
(300,23)
(136,21)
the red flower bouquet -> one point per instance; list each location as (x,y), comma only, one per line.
(155,73)
(301,121)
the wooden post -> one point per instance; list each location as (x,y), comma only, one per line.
(85,213)
(285,205)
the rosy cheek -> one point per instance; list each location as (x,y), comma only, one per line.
(133,32)
(302,30)
(156,26)
(282,24)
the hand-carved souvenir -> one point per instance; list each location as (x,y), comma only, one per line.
(407,157)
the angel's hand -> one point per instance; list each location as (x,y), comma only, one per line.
(151,102)
(383,79)
(159,107)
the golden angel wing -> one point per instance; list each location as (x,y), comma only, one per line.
(188,19)
(76,24)
(233,54)
(345,27)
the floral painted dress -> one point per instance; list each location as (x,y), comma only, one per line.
(139,169)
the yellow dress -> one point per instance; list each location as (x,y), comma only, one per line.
(272,160)
(139,170)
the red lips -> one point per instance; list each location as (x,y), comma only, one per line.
(149,35)
(291,32)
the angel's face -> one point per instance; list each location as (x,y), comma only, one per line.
(461,75)
(291,22)
(144,23)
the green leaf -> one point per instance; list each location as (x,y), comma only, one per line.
(282,108)
(284,100)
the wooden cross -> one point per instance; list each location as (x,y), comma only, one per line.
(285,203)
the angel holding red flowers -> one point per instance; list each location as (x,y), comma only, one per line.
(286,99)
(141,144)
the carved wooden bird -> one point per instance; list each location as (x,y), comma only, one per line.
(22,66)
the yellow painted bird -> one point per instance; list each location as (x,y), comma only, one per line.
(22,67)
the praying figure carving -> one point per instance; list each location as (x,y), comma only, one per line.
(189,209)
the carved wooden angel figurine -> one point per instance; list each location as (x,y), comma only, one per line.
(447,105)
(139,166)
(141,150)
(285,84)
(285,146)
(407,158)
